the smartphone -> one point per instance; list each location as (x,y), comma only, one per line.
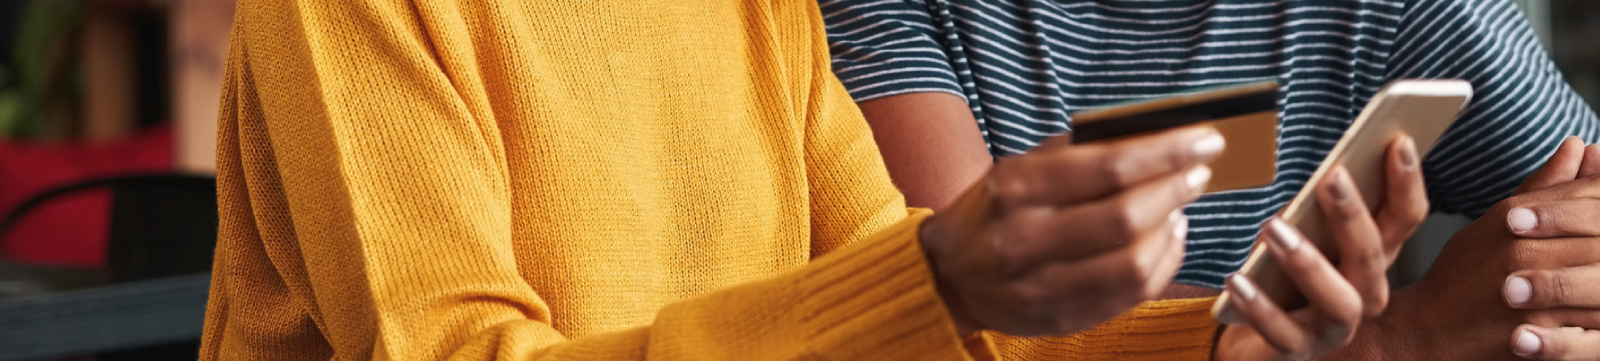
(1245,114)
(1422,109)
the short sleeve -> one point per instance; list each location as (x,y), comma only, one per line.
(888,47)
(1521,110)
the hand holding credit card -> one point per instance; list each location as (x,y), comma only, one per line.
(1245,116)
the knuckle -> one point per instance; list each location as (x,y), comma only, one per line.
(1556,289)
(1342,320)
(1370,259)
(1179,190)
(1112,167)
(1346,210)
(1030,300)
(1523,254)
(1418,211)
(1122,224)
(1406,215)
(1375,300)
(1178,158)
(1000,177)
(1134,271)
(1006,257)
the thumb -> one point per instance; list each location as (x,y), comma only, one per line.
(1562,167)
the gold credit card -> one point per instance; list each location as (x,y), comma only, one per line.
(1246,115)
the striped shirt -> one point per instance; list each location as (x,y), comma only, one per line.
(1024,65)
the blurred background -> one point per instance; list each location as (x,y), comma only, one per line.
(107,136)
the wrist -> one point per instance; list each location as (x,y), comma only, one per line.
(1399,333)
(930,239)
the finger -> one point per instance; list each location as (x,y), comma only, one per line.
(1406,201)
(1570,217)
(1274,325)
(1591,161)
(1564,317)
(1364,257)
(1079,173)
(1323,286)
(1167,269)
(1034,238)
(1055,141)
(1550,288)
(1552,253)
(1562,166)
(1565,343)
(1097,288)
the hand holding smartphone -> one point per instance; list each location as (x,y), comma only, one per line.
(1421,109)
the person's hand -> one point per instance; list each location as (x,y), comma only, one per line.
(1340,297)
(1458,310)
(1561,304)
(1068,236)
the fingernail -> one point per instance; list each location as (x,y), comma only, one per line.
(1283,236)
(1197,178)
(1181,224)
(1209,146)
(1408,153)
(1242,287)
(1527,343)
(1521,220)
(1518,291)
(1337,187)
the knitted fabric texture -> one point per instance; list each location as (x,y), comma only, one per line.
(632,179)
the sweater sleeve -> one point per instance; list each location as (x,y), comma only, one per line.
(366,216)
(1180,329)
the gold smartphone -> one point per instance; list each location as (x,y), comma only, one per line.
(1246,115)
(1422,109)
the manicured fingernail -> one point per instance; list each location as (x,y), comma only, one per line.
(1527,343)
(1242,287)
(1209,146)
(1198,177)
(1521,220)
(1408,153)
(1337,187)
(1518,291)
(1282,235)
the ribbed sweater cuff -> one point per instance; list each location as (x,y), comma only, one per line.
(877,301)
(1179,329)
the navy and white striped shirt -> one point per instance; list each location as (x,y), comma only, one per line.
(1024,65)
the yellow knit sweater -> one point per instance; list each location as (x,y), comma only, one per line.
(629,179)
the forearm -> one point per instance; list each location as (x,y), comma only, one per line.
(874,300)
(1400,333)
(931,145)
